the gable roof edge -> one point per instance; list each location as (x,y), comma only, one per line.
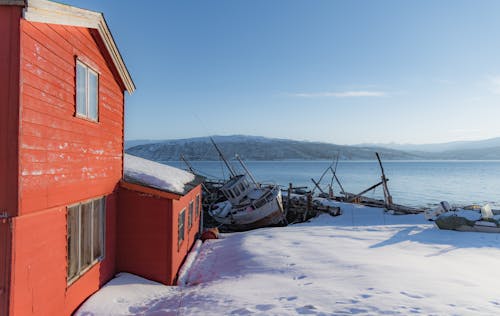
(45,11)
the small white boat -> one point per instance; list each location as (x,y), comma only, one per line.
(248,206)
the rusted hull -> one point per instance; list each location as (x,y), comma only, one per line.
(272,219)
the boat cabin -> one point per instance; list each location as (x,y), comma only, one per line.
(237,189)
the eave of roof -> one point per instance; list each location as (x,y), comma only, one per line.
(149,190)
(45,11)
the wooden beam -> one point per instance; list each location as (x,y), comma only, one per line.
(361,193)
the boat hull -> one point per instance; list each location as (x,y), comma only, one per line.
(268,214)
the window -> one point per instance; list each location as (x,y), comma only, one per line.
(86,222)
(87,87)
(190,215)
(180,224)
(197,208)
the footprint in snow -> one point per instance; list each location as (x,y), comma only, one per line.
(241,311)
(264,307)
(289,298)
(306,309)
(411,295)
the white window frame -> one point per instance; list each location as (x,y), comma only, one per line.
(83,269)
(88,72)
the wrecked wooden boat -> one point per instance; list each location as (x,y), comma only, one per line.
(485,220)
(248,204)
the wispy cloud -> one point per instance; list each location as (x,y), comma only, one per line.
(341,94)
(494,84)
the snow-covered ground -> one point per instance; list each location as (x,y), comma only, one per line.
(362,262)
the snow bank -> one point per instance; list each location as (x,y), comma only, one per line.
(188,263)
(364,262)
(128,294)
(156,175)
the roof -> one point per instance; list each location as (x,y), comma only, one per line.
(150,174)
(56,13)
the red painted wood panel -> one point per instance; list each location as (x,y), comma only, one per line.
(82,158)
(9,122)
(142,235)
(40,286)
(9,106)
(62,160)
(179,253)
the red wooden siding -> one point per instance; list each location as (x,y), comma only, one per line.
(148,233)
(9,122)
(178,253)
(65,159)
(142,236)
(62,160)
(39,272)
(9,107)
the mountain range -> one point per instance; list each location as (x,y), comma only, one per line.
(262,148)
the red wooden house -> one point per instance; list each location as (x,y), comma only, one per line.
(62,85)
(160,211)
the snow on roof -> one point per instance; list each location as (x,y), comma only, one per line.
(159,176)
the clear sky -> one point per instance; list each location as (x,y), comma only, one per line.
(345,72)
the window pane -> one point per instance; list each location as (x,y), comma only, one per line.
(93,101)
(190,215)
(197,207)
(86,242)
(98,225)
(181,226)
(73,237)
(81,88)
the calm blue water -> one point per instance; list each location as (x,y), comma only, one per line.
(416,183)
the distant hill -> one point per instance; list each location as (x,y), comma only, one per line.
(458,146)
(260,148)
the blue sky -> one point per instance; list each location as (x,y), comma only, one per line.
(345,72)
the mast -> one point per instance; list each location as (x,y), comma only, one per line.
(221,155)
(193,172)
(247,171)
(387,195)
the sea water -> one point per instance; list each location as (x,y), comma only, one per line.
(412,183)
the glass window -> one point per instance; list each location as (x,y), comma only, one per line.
(190,215)
(92,102)
(85,236)
(197,207)
(180,226)
(87,91)
(81,88)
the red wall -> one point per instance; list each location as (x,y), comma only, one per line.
(142,237)
(65,159)
(148,233)
(39,269)
(62,160)
(9,118)
(178,253)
